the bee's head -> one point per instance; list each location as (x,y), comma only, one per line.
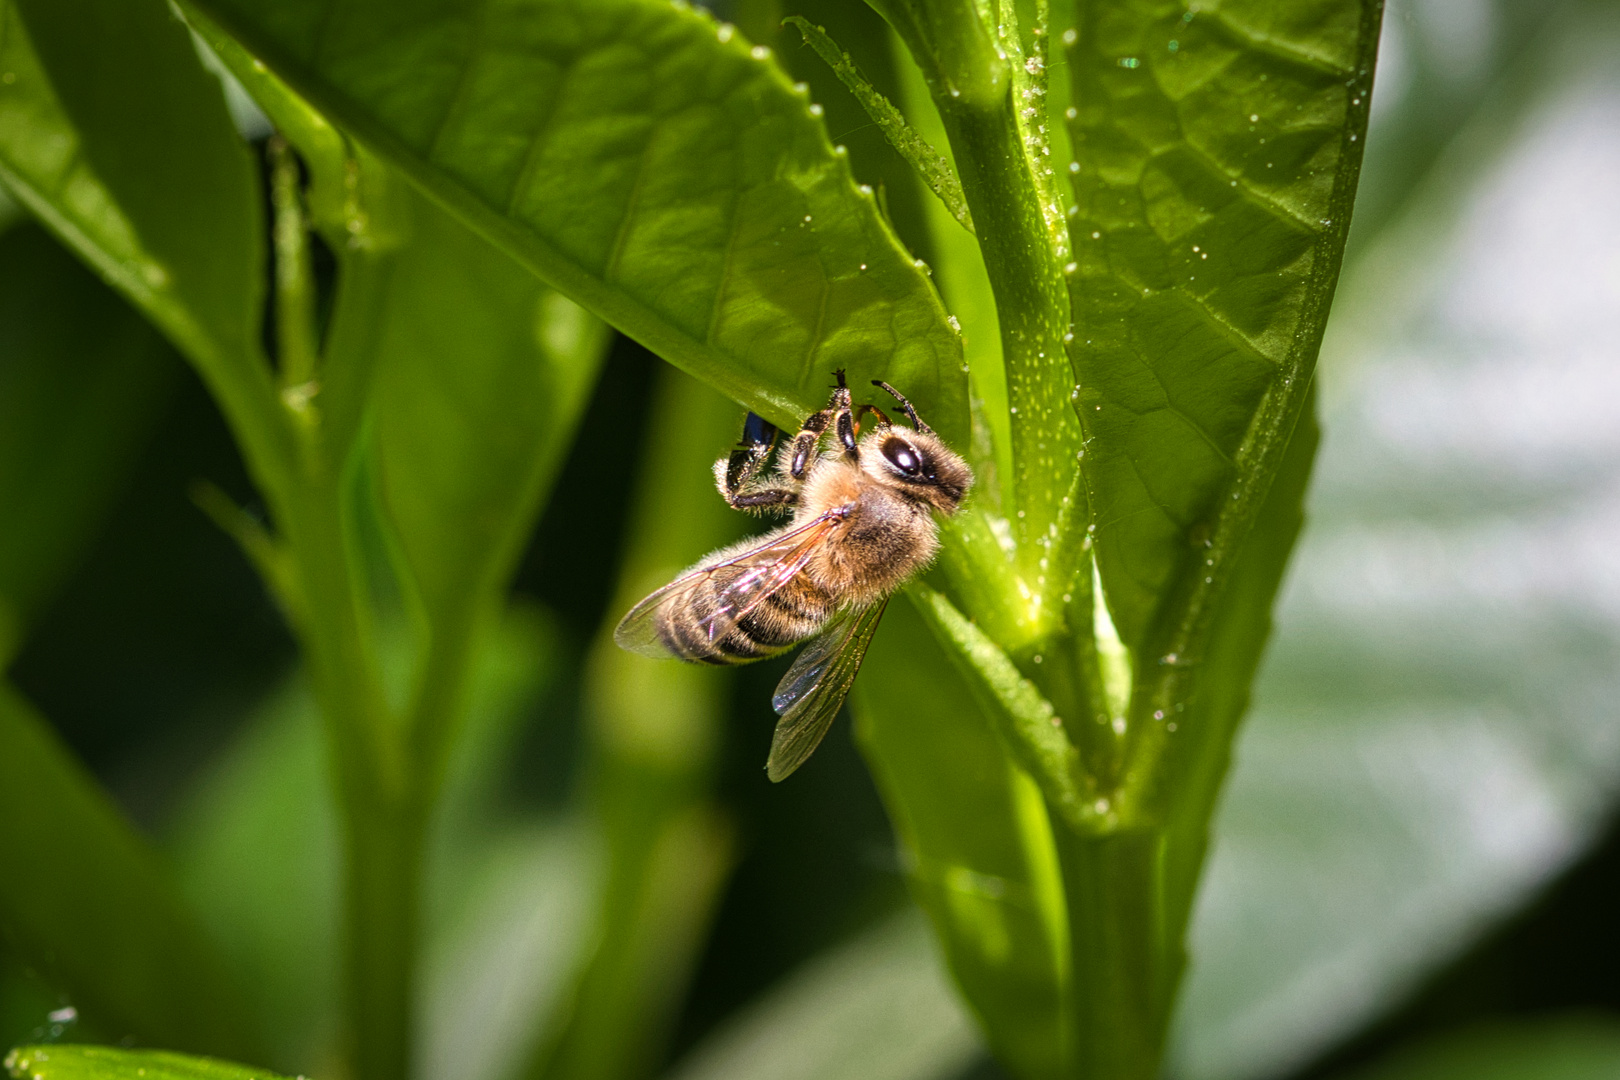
(919,464)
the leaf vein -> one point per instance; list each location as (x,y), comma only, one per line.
(1279,50)
(1278,209)
(622,235)
(453,107)
(732,230)
(531,156)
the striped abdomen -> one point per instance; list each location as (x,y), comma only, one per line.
(796,611)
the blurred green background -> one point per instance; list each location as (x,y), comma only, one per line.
(1416,870)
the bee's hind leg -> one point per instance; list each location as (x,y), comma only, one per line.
(838,415)
(738,476)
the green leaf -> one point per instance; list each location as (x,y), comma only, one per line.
(257,850)
(1131,894)
(496,968)
(114,136)
(486,374)
(878,1008)
(107,1063)
(655,729)
(465,448)
(960,274)
(1197,764)
(1031,732)
(175,221)
(645,164)
(1424,754)
(1217,154)
(1574,1048)
(930,166)
(977,837)
(862,32)
(82,380)
(85,901)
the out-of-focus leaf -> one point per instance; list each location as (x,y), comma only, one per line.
(1434,735)
(878,1008)
(978,839)
(475,378)
(82,379)
(108,1063)
(85,902)
(483,373)
(655,727)
(645,164)
(496,967)
(257,850)
(27,1003)
(113,134)
(145,175)
(1217,150)
(1561,1049)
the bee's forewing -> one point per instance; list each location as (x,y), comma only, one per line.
(810,694)
(637,632)
(753,575)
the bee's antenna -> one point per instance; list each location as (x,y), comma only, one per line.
(839,375)
(905,407)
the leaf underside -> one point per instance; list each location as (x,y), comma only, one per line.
(646,163)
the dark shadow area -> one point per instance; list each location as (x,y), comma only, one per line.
(149,658)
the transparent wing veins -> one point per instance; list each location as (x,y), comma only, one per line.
(769,566)
(810,694)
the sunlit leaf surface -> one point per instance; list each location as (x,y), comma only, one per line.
(109,1063)
(1435,733)
(644,161)
(1216,161)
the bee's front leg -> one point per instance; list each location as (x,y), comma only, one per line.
(737,476)
(837,415)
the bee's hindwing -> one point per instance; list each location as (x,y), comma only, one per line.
(810,694)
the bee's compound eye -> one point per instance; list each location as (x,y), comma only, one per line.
(903,457)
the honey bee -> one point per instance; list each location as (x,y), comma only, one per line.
(863,525)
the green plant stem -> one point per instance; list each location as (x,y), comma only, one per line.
(1125,952)
(380,796)
(295,292)
(383,923)
(385,779)
(1027,281)
(1124,958)
(1022,252)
